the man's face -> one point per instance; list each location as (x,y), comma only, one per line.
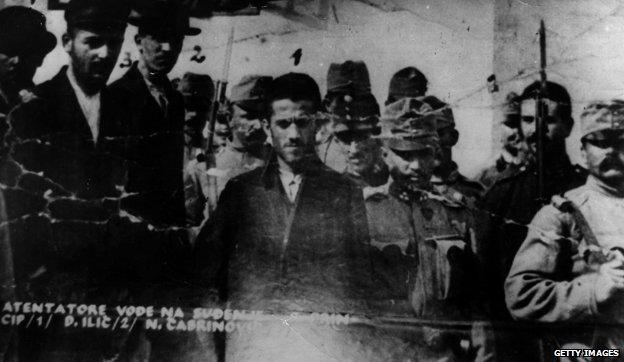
(160,51)
(605,159)
(17,70)
(246,128)
(292,130)
(556,129)
(195,116)
(221,135)
(360,150)
(93,54)
(512,139)
(448,138)
(412,169)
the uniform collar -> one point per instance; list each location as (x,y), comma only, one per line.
(599,186)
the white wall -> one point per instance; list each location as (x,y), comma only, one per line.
(450,41)
(585,41)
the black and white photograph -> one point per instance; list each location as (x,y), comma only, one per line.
(311,180)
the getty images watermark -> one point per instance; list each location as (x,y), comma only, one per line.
(580,352)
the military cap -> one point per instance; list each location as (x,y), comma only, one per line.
(442,112)
(600,117)
(196,88)
(407,83)
(97,13)
(250,93)
(361,114)
(350,77)
(511,110)
(162,17)
(409,124)
(23,31)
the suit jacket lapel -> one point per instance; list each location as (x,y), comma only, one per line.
(69,110)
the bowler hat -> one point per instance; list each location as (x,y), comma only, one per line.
(162,17)
(350,76)
(23,31)
(97,13)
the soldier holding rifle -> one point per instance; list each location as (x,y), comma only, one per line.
(570,267)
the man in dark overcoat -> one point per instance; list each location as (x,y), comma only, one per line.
(154,114)
(289,237)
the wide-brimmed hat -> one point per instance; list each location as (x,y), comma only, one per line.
(163,17)
(23,31)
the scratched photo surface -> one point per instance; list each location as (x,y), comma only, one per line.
(314,180)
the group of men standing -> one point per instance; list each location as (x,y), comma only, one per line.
(309,203)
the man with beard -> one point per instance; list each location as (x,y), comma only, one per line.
(570,267)
(412,228)
(513,154)
(24,42)
(408,83)
(513,201)
(154,114)
(65,140)
(74,112)
(349,102)
(287,238)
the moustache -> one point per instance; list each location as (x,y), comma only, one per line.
(610,163)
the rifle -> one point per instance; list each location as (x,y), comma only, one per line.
(219,109)
(219,100)
(540,113)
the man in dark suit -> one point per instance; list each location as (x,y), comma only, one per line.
(287,237)
(65,142)
(24,42)
(73,112)
(154,114)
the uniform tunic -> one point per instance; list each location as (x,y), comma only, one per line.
(549,279)
(406,231)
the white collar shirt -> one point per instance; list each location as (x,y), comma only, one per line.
(89,104)
(291,183)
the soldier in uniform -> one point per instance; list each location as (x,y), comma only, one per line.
(513,154)
(154,114)
(245,151)
(411,83)
(513,201)
(198,91)
(364,163)
(348,100)
(412,228)
(570,267)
